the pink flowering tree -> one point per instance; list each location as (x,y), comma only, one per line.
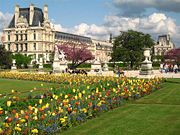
(173,54)
(77,53)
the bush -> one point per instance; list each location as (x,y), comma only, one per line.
(21,60)
(47,65)
(156,64)
(84,65)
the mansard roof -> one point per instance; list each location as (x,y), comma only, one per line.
(74,37)
(25,12)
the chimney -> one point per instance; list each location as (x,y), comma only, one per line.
(31,14)
(16,13)
(45,12)
(110,38)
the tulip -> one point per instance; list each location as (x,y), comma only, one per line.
(9,103)
(34,131)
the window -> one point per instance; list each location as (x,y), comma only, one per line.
(16,37)
(21,47)
(21,36)
(9,47)
(34,35)
(8,36)
(26,47)
(34,46)
(25,36)
(17,48)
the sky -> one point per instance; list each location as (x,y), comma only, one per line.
(99,18)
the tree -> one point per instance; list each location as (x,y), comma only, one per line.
(128,47)
(77,53)
(22,60)
(173,54)
(5,58)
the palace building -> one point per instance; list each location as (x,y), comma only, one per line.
(30,33)
(163,45)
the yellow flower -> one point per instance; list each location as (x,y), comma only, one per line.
(83,91)
(42,84)
(22,120)
(88,87)
(35,117)
(74,90)
(1,130)
(17,129)
(99,104)
(84,110)
(35,110)
(34,131)
(80,95)
(62,120)
(12,91)
(1,109)
(40,101)
(66,96)
(9,103)
(76,97)
(114,90)
(47,105)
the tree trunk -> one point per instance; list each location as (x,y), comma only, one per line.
(132,64)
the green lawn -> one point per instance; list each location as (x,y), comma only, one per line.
(7,85)
(156,114)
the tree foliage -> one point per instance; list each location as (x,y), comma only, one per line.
(173,54)
(22,60)
(76,53)
(5,58)
(128,47)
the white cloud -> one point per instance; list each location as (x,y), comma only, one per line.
(5,18)
(155,24)
(136,7)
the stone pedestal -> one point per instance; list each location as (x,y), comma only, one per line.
(96,66)
(41,63)
(59,66)
(146,68)
(13,67)
(105,67)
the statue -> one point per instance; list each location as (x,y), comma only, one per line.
(61,55)
(59,63)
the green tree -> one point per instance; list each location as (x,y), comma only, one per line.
(22,60)
(5,58)
(128,47)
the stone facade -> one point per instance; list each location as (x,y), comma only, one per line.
(163,45)
(30,33)
(103,50)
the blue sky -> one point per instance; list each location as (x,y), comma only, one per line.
(66,12)
(99,18)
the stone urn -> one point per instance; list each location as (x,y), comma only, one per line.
(13,67)
(146,65)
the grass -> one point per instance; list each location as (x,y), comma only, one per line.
(155,114)
(7,85)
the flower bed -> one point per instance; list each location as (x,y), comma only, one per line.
(77,99)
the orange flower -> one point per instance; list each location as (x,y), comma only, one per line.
(9,120)
(26,117)
(68,109)
(1,112)
(77,103)
(42,117)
